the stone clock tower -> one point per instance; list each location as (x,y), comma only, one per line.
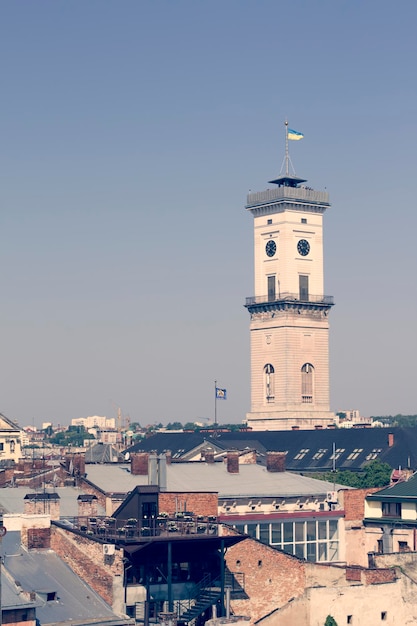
(289,324)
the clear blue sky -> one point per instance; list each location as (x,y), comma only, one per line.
(131,132)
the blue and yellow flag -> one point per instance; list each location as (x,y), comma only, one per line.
(221,394)
(294,135)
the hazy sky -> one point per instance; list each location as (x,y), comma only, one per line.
(130,134)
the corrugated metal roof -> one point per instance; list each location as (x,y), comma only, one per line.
(42,571)
(252,480)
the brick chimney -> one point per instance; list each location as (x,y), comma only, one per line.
(275,461)
(168,457)
(139,463)
(233,462)
(42,504)
(208,456)
(390,440)
(87,505)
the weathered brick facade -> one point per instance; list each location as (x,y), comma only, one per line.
(354,502)
(37,538)
(271,577)
(204,503)
(87,560)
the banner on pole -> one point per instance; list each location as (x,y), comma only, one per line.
(221,394)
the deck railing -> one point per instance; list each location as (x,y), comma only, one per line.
(110,529)
(289,297)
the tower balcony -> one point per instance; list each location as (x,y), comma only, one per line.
(289,298)
(300,194)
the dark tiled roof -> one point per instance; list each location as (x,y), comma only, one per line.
(405,489)
(307,450)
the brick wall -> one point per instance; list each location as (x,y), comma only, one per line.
(353,573)
(378,576)
(203,503)
(353,501)
(271,577)
(36,538)
(86,559)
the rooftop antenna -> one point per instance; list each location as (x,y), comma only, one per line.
(287,176)
(294,136)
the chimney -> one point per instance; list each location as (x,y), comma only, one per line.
(42,504)
(233,462)
(275,461)
(87,505)
(209,456)
(153,470)
(162,472)
(168,457)
(139,464)
(390,439)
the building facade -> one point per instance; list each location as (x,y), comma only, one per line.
(289,325)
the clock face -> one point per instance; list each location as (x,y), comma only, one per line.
(303,247)
(270,248)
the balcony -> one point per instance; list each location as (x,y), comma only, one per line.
(291,298)
(111,530)
(300,194)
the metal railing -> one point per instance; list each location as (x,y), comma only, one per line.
(110,529)
(292,193)
(289,297)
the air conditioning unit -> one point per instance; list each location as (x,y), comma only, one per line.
(331,496)
(108,549)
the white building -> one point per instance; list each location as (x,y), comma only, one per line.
(95,421)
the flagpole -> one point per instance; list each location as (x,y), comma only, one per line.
(215,403)
(287,158)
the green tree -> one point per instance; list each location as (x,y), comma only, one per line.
(330,621)
(174,426)
(376,474)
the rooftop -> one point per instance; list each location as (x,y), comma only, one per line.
(212,477)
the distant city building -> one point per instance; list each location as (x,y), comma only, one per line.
(95,421)
(353,418)
(289,324)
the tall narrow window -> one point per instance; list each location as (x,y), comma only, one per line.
(271,288)
(269,374)
(307,383)
(303,286)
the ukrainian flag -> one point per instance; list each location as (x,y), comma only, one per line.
(294,135)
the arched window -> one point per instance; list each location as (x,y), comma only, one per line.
(269,375)
(307,383)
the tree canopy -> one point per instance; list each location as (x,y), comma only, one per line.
(374,474)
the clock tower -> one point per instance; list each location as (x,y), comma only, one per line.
(289,324)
